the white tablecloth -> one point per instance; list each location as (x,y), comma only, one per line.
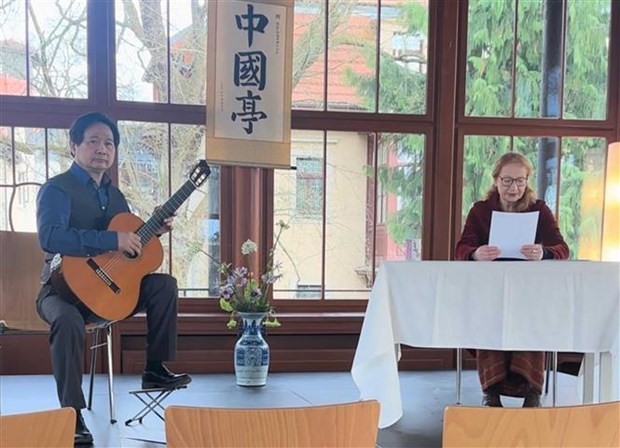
(550,305)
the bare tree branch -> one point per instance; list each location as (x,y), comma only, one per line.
(132,20)
(43,62)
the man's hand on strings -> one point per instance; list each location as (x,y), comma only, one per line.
(129,242)
(167,227)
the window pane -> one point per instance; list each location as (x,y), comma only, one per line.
(309,54)
(529,59)
(6,156)
(404,59)
(538,69)
(582,192)
(5,197)
(587,53)
(480,153)
(348,242)
(24,208)
(18,191)
(6,175)
(29,155)
(352,52)
(400,197)
(300,247)
(309,187)
(542,152)
(196,236)
(488,84)
(58,154)
(13,48)
(141,51)
(29,174)
(143,169)
(57,39)
(188,37)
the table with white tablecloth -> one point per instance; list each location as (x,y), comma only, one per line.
(571,306)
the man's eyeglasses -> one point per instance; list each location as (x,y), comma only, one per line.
(508,181)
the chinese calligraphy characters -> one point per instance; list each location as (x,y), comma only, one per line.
(250,70)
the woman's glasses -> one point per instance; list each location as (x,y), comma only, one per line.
(508,181)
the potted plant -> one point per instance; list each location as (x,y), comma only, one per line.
(245,296)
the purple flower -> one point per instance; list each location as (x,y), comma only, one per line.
(240,272)
(226,291)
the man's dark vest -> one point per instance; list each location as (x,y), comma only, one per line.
(85,213)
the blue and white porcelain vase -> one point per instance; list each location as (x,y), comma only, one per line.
(251,352)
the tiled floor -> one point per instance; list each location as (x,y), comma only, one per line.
(425,395)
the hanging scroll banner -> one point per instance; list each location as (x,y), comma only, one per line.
(249,52)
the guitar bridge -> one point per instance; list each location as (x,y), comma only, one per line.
(103,276)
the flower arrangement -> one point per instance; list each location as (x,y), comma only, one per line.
(241,292)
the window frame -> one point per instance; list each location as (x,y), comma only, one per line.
(444,126)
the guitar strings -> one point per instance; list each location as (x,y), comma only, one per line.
(149,228)
(146,231)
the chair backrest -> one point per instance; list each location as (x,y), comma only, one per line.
(339,425)
(596,425)
(20,268)
(46,429)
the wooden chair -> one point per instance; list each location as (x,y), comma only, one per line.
(339,425)
(46,429)
(20,269)
(595,425)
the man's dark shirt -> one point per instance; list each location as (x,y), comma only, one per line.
(53,216)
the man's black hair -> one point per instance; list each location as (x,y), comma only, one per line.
(83,122)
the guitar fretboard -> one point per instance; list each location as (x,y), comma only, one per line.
(149,229)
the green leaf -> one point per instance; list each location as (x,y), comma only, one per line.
(269,323)
(225,305)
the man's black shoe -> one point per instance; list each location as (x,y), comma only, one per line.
(164,379)
(82,434)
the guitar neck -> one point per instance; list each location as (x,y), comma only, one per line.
(155,222)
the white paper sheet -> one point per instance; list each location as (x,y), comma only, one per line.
(510,231)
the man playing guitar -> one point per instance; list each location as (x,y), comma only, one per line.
(73,213)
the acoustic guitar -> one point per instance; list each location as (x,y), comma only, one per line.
(109,284)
